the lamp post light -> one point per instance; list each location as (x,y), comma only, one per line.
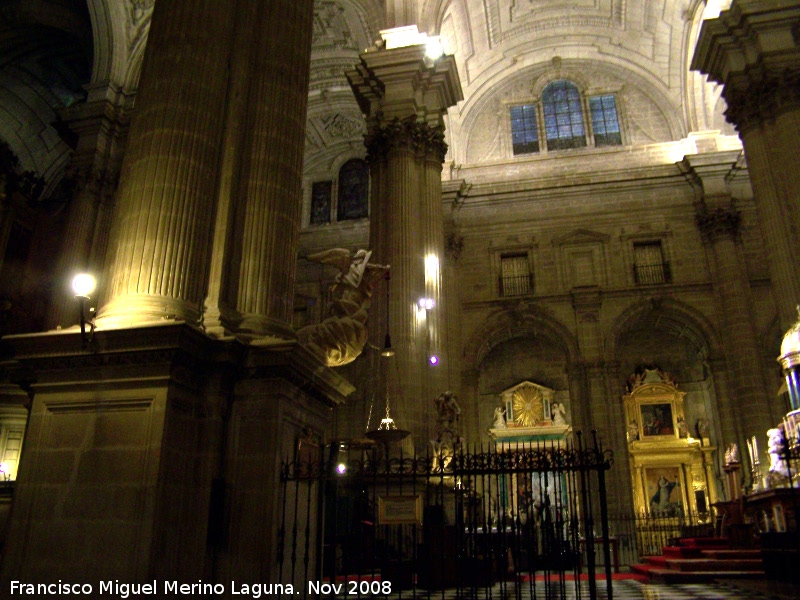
(83,285)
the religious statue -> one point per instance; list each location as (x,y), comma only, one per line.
(683,428)
(776,444)
(448,438)
(499,418)
(732,455)
(633,430)
(703,428)
(340,338)
(558,413)
(448,409)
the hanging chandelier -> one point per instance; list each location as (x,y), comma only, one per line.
(387,431)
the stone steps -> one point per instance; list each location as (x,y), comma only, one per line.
(696,560)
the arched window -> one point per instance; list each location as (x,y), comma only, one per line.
(345,197)
(563,116)
(556,121)
(353,197)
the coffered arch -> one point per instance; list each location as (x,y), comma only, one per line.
(664,318)
(515,323)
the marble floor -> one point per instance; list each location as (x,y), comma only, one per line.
(622,590)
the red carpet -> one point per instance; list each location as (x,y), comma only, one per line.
(599,576)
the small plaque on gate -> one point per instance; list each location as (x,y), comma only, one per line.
(400,510)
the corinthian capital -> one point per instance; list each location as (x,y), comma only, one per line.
(420,138)
(717,223)
(760,101)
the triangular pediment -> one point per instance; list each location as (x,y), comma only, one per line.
(581,236)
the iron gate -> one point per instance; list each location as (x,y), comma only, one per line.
(516,521)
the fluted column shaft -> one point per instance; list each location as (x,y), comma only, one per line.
(405,97)
(777,187)
(720,231)
(751,50)
(159,246)
(261,287)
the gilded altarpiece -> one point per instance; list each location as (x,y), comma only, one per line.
(671,471)
(531,416)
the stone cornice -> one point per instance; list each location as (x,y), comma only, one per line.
(762,100)
(402,83)
(151,355)
(752,50)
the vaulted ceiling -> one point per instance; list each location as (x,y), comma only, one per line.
(51,50)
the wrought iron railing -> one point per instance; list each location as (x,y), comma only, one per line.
(516,285)
(652,274)
(526,519)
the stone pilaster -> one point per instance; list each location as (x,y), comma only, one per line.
(719,225)
(614,435)
(101,125)
(720,232)
(586,305)
(579,396)
(751,49)
(160,240)
(405,96)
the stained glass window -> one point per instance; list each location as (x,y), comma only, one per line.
(321,202)
(563,116)
(605,123)
(353,200)
(524,130)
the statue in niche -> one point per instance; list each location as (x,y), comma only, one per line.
(447,435)
(558,413)
(703,428)
(777,448)
(633,430)
(683,428)
(499,418)
(448,410)
(340,338)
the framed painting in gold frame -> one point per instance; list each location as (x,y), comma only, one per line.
(664,491)
(657,419)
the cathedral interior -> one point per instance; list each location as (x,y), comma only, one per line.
(527,201)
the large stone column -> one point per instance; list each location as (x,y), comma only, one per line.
(153,449)
(159,252)
(751,49)
(259,286)
(719,223)
(405,96)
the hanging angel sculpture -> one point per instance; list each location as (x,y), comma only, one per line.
(340,338)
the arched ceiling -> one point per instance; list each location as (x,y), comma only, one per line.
(45,60)
(50,49)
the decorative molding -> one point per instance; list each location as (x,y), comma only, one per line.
(717,223)
(756,102)
(453,246)
(422,139)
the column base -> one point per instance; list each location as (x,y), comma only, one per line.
(258,330)
(136,310)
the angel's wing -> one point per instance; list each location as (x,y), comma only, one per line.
(340,258)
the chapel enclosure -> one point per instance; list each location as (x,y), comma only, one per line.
(523,520)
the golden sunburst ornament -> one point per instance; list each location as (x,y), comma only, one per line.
(528,406)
